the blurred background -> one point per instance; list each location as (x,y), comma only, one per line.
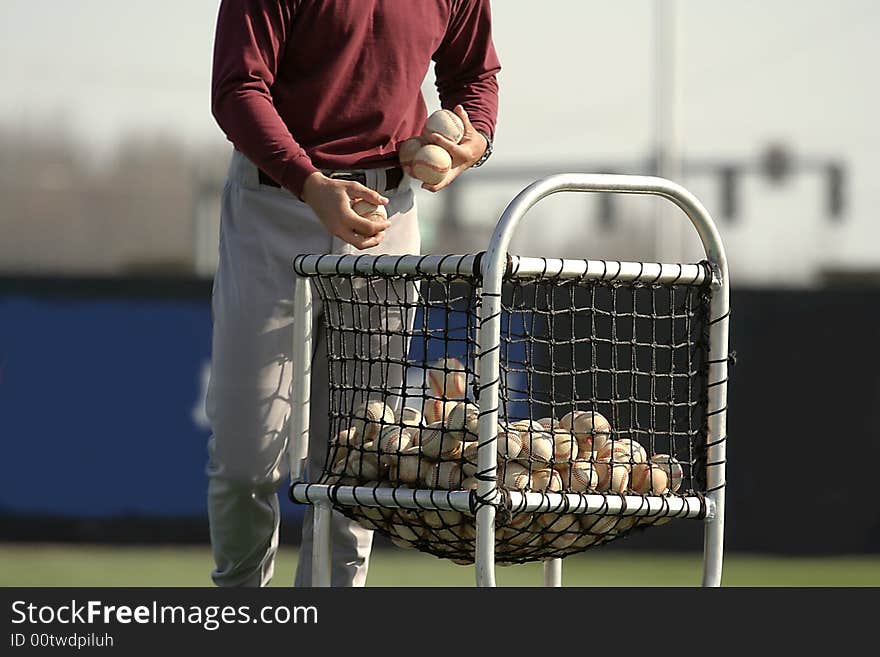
(111,168)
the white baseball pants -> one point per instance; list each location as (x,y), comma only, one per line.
(248,402)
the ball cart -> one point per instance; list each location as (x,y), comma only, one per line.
(493,408)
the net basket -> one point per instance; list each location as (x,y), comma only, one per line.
(603,390)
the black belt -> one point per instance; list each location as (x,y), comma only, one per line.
(393,176)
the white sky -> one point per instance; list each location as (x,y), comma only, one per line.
(576,86)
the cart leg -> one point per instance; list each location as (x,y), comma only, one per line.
(553,573)
(321,546)
(713,541)
(298,441)
(485,554)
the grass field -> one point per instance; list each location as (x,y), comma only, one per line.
(85,565)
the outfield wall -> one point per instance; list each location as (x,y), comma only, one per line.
(103,428)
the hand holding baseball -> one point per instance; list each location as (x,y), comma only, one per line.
(464,153)
(332,201)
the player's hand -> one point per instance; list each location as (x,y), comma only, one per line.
(464,153)
(331,200)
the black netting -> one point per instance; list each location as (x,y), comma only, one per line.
(603,389)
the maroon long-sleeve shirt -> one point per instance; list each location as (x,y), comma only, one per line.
(302,85)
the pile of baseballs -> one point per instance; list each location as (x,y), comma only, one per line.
(430,163)
(435,447)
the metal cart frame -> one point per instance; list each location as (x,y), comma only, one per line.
(493,266)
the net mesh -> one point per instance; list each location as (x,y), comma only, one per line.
(603,389)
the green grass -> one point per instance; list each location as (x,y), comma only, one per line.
(90,565)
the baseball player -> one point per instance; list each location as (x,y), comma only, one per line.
(315,96)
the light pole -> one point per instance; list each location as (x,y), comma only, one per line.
(667,121)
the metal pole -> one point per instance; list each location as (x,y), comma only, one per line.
(487,457)
(667,122)
(321,547)
(553,573)
(713,536)
(298,438)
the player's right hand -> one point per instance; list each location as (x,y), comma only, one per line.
(331,200)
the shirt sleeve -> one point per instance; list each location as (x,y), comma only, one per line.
(248,46)
(467,64)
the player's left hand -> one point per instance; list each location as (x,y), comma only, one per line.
(464,153)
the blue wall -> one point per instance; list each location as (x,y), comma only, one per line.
(98,406)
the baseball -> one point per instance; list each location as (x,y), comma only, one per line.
(437,410)
(528,426)
(584,541)
(363,466)
(447,379)
(521,520)
(590,428)
(447,536)
(516,476)
(565,447)
(369,419)
(410,517)
(405,532)
(626,523)
(390,443)
(510,444)
(375,514)
(341,453)
(623,450)
(518,526)
(579,476)
(506,537)
(469,455)
(434,442)
(546,479)
(339,480)
(469,483)
(446,475)
(564,470)
(410,417)
(463,421)
(369,523)
(431,164)
(408,150)
(521,537)
(537,447)
(391,439)
(562,541)
(405,469)
(648,478)
(554,522)
(599,524)
(466,530)
(369,210)
(348,437)
(549,423)
(672,467)
(445,122)
(612,477)
(440,519)
(340,462)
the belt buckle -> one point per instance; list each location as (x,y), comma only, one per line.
(348,175)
